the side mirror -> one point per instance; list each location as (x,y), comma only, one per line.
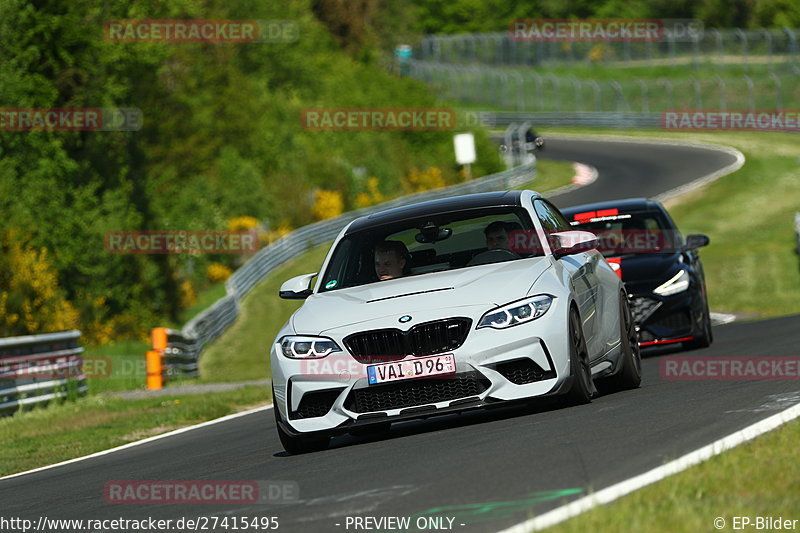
(696,240)
(574,242)
(297,288)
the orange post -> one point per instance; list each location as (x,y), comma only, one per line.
(155,357)
(153,366)
(159,337)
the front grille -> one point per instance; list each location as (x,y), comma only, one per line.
(523,371)
(316,403)
(679,321)
(382,345)
(642,307)
(415,392)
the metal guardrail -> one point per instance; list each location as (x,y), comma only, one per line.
(39,368)
(189,343)
(589,119)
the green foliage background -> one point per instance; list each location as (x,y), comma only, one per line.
(221,138)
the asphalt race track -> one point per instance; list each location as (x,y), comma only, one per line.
(487,470)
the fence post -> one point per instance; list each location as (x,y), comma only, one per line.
(723,101)
(778,92)
(751,91)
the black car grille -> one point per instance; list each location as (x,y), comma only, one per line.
(646,336)
(415,392)
(680,321)
(316,403)
(523,371)
(382,345)
(642,307)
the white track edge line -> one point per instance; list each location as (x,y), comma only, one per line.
(140,442)
(609,494)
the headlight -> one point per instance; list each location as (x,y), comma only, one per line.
(516,313)
(301,347)
(678,283)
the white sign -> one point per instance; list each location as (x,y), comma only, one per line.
(465,148)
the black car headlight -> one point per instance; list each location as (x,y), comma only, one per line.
(677,283)
(304,346)
(515,313)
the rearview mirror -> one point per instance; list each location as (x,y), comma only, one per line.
(297,288)
(573,242)
(696,240)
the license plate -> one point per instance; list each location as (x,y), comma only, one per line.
(419,367)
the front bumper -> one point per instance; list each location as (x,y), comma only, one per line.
(492,366)
(667,319)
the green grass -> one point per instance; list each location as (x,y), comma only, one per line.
(63,431)
(205,298)
(758,478)
(242,352)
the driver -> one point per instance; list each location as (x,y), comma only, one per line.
(390,259)
(496,236)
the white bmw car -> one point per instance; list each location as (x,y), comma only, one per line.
(446,306)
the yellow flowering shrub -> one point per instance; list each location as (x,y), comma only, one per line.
(423,180)
(217,272)
(31,300)
(244,223)
(372,196)
(327,204)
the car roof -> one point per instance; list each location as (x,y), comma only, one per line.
(627,204)
(435,207)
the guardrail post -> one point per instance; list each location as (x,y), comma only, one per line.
(155,358)
(154,368)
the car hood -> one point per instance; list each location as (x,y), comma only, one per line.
(646,271)
(485,285)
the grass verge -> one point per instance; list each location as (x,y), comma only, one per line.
(62,431)
(758,478)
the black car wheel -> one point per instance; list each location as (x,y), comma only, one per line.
(629,375)
(583,387)
(706,337)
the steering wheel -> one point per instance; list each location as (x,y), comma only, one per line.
(493,256)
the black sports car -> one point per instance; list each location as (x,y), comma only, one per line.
(661,269)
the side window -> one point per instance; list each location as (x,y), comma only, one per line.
(552,220)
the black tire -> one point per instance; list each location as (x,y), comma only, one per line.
(582,388)
(629,375)
(297,445)
(706,338)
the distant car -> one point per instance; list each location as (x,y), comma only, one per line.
(446,306)
(661,269)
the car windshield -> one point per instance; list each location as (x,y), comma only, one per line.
(427,244)
(636,232)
